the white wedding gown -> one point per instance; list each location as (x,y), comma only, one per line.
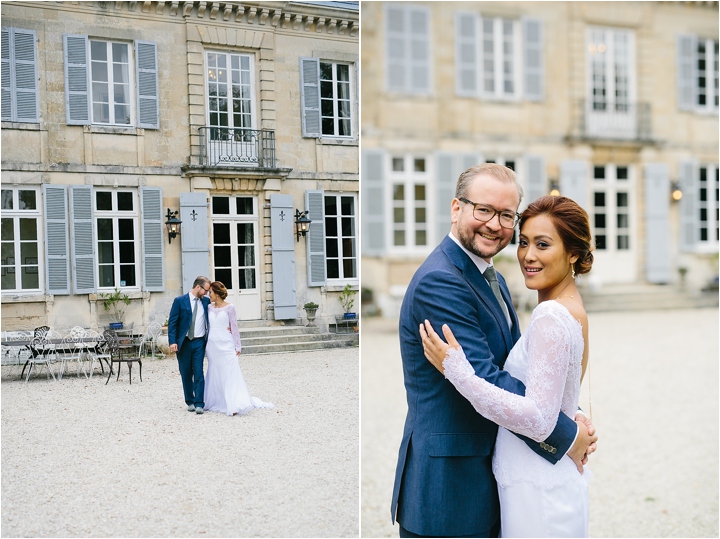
(225,389)
(537,499)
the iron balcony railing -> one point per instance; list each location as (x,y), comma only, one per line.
(223,146)
(619,121)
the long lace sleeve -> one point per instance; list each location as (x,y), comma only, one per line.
(232,318)
(535,414)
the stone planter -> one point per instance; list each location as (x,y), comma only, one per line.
(310,316)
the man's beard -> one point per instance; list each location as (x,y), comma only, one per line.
(466,239)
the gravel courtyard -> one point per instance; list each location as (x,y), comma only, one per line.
(80,458)
(654,378)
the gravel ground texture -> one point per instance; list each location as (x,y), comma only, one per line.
(654,387)
(85,459)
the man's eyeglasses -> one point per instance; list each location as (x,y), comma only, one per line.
(484,213)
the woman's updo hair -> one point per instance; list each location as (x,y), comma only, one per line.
(572,224)
(219,289)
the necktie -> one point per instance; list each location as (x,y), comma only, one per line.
(491,278)
(191,331)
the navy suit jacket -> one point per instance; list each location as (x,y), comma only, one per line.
(180,318)
(444,485)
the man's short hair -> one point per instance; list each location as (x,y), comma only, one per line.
(200,281)
(499,172)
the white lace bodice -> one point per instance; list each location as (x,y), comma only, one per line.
(548,360)
(224,321)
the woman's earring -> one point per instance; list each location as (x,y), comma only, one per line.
(573,271)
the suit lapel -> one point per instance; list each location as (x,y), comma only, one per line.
(481,287)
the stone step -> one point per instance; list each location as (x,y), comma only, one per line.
(266,347)
(646,297)
(270,331)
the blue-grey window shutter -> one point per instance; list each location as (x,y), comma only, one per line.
(533,59)
(536,175)
(147,85)
(573,181)
(467,160)
(282,227)
(447,175)
(466,54)
(5,82)
(657,224)
(317,271)
(19,76)
(689,228)
(56,240)
(194,237)
(77,79)
(419,50)
(396,66)
(372,203)
(310,96)
(152,239)
(686,73)
(82,239)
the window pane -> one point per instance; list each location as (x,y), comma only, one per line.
(623,242)
(103,201)
(28,229)
(7,199)
(104,229)
(246,255)
(8,254)
(398,164)
(348,247)
(8,230)
(106,276)
(221,205)
(222,255)
(399,215)
(246,279)
(26,200)
(420,192)
(333,268)
(127,252)
(349,268)
(225,277)
(348,226)
(623,220)
(398,191)
(622,200)
(331,206)
(347,205)
(105,252)
(127,275)
(599,220)
(599,173)
(399,238)
(600,242)
(599,199)
(419,165)
(30,278)
(331,248)
(221,233)
(331,227)
(29,254)
(245,233)
(244,205)
(622,173)
(126,230)
(125,201)
(420,237)
(420,215)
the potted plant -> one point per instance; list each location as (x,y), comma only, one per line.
(115,302)
(347,300)
(310,309)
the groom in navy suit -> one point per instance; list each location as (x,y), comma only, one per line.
(187,335)
(444,484)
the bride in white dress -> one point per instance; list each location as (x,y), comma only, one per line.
(537,499)
(225,389)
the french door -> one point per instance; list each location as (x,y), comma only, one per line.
(235,257)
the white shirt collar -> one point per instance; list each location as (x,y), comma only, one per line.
(481,263)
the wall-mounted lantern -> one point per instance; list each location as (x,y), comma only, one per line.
(302,223)
(675,191)
(172,224)
(554,188)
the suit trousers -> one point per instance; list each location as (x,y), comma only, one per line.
(493,532)
(191,357)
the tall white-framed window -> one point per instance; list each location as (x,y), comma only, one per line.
(341,247)
(336,99)
(20,265)
(499,58)
(19,76)
(111,83)
(708,206)
(611,108)
(611,198)
(231,116)
(408,48)
(116,233)
(706,83)
(409,184)
(111,78)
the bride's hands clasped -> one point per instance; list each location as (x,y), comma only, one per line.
(435,348)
